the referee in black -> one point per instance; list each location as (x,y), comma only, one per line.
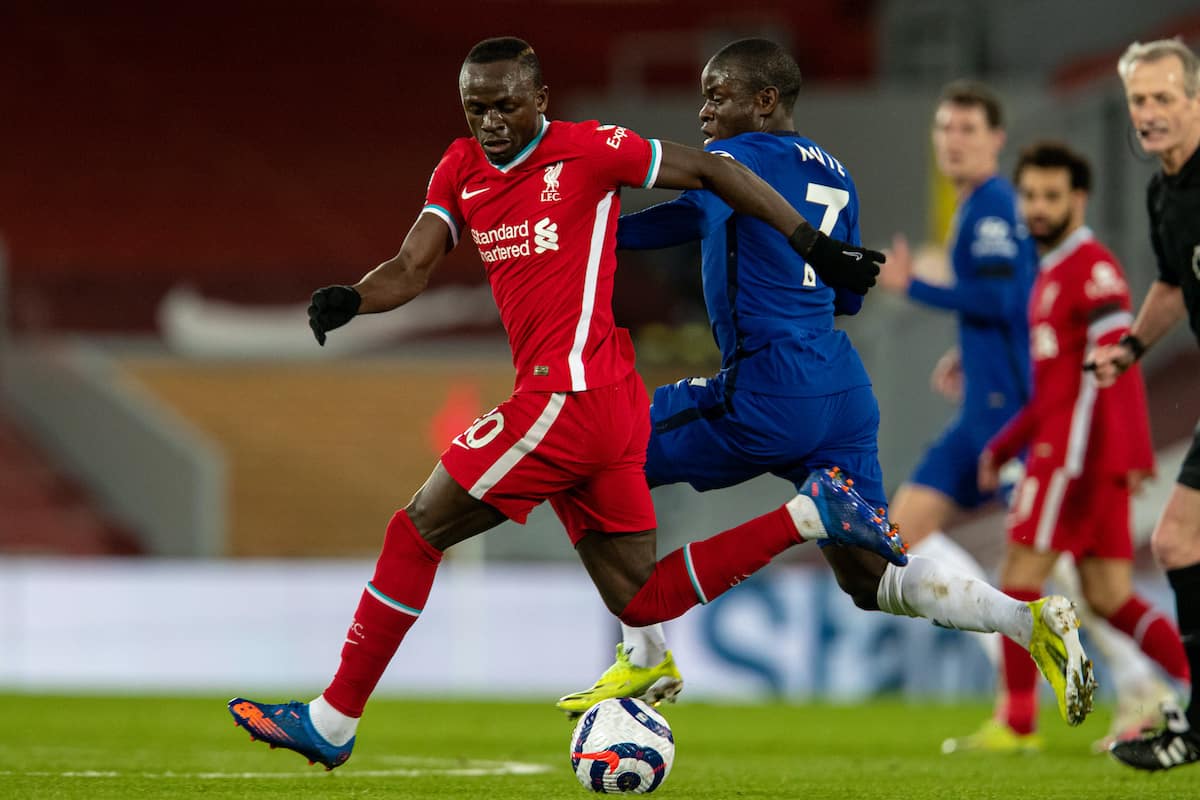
(1162,87)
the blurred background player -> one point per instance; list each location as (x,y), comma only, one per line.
(792,395)
(541,198)
(1088,449)
(993,264)
(1162,87)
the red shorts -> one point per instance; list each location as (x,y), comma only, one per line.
(585,452)
(1084,516)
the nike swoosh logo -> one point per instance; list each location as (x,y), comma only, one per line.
(854,255)
(468,195)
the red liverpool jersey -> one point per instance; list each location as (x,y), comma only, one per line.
(545,225)
(1080,299)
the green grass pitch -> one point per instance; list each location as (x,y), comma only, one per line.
(150,747)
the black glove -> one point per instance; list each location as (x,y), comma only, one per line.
(837,263)
(332,307)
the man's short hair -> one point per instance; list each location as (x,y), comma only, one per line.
(1158,50)
(507,48)
(973,94)
(1049,154)
(762,63)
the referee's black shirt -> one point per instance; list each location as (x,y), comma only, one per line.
(1174,205)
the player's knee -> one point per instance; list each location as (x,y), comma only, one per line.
(1176,541)
(426,522)
(1160,546)
(920,511)
(444,514)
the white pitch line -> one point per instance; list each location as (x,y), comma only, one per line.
(477,769)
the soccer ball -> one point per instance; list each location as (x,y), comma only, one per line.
(622,746)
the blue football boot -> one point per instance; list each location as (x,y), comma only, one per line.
(849,519)
(288,725)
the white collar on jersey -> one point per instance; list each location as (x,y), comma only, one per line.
(527,150)
(1067,246)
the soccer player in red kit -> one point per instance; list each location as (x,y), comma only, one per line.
(1087,448)
(539,200)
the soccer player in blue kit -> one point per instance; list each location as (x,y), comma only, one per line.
(792,394)
(994,262)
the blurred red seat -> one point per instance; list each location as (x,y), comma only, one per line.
(45,512)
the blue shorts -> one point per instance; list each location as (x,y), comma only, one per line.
(702,437)
(951,464)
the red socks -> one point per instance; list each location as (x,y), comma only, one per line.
(392,601)
(1153,632)
(1019,674)
(389,606)
(701,571)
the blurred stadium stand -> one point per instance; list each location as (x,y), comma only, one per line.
(255,150)
(47,513)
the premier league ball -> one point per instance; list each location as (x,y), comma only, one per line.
(622,747)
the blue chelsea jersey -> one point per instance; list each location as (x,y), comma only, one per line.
(995,263)
(771,316)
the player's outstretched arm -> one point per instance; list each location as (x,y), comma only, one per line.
(1160,311)
(390,285)
(837,263)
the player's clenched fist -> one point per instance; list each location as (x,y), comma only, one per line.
(332,307)
(1108,362)
(837,263)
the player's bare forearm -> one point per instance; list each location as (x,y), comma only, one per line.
(746,193)
(1160,311)
(838,264)
(1162,308)
(390,285)
(393,283)
(404,276)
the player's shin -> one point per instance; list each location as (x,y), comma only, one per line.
(1186,584)
(700,571)
(928,589)
(950,554)
(1019,676)
(389,606)
(1155,634)
(1128,667)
